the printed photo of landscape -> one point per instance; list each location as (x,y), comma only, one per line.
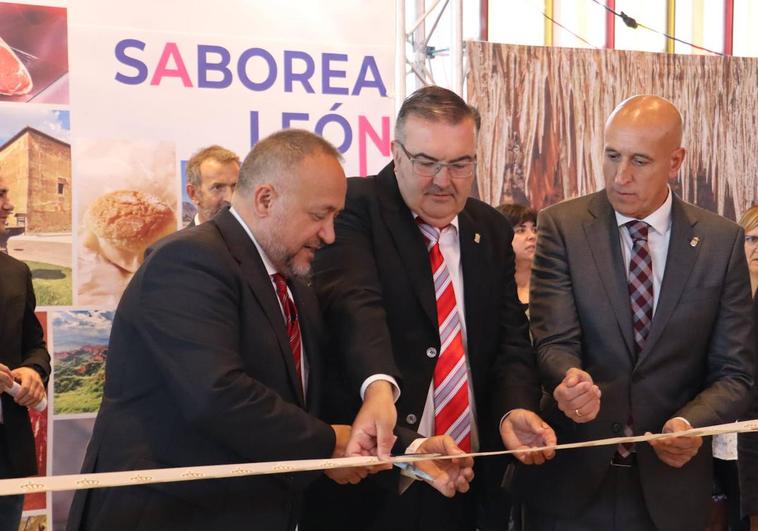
(81,346)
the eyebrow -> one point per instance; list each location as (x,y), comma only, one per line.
(459,159)
(614,150)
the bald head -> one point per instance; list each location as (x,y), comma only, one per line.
(656,116)
(643,150)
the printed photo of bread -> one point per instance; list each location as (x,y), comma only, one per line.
(122,224)
(127,200)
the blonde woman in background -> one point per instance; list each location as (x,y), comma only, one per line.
(749,222)
(726,483)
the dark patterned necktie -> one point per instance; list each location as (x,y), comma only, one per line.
(640,283)
(641,299)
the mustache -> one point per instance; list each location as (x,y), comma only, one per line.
(435,189)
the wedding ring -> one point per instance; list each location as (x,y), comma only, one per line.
(578,413)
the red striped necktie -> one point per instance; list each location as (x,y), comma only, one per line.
(292,322)
(452,411)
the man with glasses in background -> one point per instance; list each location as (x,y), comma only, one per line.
(419,286)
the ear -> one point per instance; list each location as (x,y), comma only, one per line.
(264,197)
(191,192)
(677,158)
(397,154)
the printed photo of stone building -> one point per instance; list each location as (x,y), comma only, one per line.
(38,168)
(35,165)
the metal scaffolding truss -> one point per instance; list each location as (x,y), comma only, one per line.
(412,51)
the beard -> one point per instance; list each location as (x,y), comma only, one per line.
(284,260)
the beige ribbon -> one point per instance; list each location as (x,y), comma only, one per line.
(164,475)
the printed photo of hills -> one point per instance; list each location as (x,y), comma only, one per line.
(81,346)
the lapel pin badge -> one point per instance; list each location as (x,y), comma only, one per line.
(477,237)
(694,241)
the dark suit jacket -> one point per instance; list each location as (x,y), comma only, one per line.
(697,360)
(748,454)
(375,286)
(21,345)
(200,372)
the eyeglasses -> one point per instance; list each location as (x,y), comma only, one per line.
(429,168)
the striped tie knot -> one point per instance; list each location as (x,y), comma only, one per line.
(638,230)
(431,234)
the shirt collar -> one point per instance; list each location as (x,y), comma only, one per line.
(659,220)
(270,269)
(453,222)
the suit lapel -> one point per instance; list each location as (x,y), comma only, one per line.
(680,258)
(408,240)
(474,281)
(307,316)
(602,236)
(244,251)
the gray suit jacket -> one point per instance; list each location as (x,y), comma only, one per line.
(697,361)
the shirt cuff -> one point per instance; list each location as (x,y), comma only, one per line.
(387,378)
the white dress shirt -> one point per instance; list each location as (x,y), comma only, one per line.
(658,237)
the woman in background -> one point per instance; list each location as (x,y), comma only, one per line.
(726,483)
(524,222)
(749,222)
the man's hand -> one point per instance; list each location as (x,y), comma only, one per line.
(352,475)
(6,378)
(450,475)
(374,424)
(577,396)
(523,429)
(32,389)
(676,451)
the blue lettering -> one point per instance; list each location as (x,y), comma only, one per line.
(245,57)
(205,65)
(135,63)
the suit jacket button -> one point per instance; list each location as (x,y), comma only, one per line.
(411,418)
(616,427)
(431,352)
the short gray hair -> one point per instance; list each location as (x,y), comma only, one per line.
(435,104)
(280,152)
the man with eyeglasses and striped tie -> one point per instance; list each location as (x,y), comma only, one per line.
(419,286)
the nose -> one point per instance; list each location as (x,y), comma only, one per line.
(442,179)
(327,231)
(7,206)
(623,173)
(226,194)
